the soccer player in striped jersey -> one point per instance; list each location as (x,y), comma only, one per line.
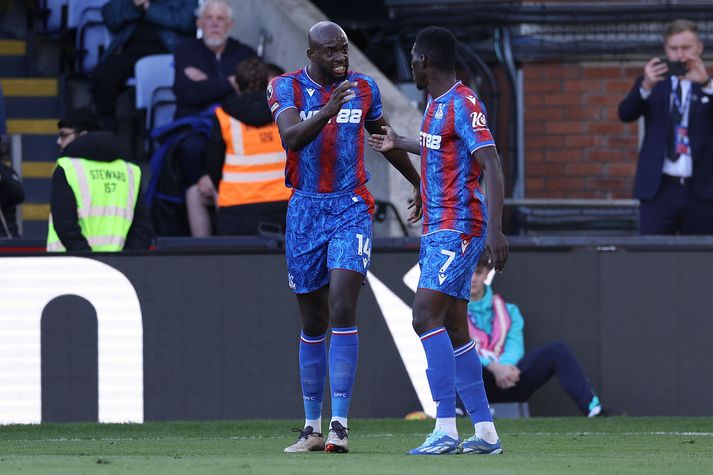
(321,112)
(456,148)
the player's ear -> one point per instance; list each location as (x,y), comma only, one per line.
(310,54)
(423,59)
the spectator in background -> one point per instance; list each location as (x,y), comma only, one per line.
(11,195)
(96,202)
(204,76)
(75,123)
(244,201)
(141,28)
(674,174)
(510,374)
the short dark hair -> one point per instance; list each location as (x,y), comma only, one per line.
(484,261)
(81,119)
(439,45)
(679,26)
(251,75)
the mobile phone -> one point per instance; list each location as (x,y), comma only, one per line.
(676,68)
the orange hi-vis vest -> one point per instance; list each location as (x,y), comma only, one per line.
(254,169)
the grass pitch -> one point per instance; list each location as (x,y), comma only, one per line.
(616,445)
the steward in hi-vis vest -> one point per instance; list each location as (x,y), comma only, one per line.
(96,201)
(246,161)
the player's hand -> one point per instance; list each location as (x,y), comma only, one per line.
(496,249)
(340,96)
(696,69)
(383,142)
(416,207)
(195,74)
(654,72)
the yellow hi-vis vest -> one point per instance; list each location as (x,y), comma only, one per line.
(254,169)
(106,194)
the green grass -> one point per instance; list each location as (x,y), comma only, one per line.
(614,445)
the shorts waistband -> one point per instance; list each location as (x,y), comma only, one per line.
(335,194)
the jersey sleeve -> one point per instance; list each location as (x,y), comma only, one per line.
(280,95)
(471,123)
(375,111)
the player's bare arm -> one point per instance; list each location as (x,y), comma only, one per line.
(296,133)
(399,159)
(390,140)
(496,246)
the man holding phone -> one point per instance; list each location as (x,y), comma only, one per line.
(674,175)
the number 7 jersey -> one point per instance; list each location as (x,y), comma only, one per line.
(334,160)
(454,126)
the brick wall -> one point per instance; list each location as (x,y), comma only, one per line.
(575,145)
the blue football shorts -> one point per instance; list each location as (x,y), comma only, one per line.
(327,231)
(448,260)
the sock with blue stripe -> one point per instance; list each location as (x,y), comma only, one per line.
(313,374)
(343,356)
(469,383)
(441,377)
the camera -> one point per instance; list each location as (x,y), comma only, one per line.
(676,68)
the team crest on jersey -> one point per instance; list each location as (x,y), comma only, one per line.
(269,92)
(310,91)
(439,111)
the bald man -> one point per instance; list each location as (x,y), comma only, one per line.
(321,112)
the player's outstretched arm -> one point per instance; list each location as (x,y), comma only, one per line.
(496,246)
(399,159)
(390,140)
(296,133)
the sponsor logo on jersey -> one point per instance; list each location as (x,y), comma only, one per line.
(274,107)
(479,121)
(291,281)
(430,141)
(472,99)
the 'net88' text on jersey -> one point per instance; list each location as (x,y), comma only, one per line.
(334,161)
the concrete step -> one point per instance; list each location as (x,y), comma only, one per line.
(13,48)
(29,87)
(31,107)
(32,126)
(37,191)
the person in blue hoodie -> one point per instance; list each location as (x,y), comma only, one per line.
(510,374)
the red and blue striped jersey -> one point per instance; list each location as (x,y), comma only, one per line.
(454,126)
(334,161)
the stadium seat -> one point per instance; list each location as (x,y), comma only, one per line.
(78,9)
(93,37)
(154,77)
(56,11)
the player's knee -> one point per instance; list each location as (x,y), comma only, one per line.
(423,322)
(342,313)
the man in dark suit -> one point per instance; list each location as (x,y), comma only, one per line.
(674,174)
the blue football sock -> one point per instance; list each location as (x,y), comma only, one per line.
(343,356)
(313,373)
(469,383)
(440,371)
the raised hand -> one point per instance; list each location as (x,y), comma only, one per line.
(340,96)
(654,72)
